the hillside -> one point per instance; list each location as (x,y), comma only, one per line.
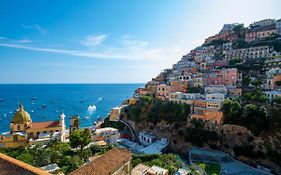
(224,95)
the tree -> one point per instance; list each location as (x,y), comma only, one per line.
(277,100)
(255,118)
(232,111)
(26,157)
(278,83)
(256,83)
(80,138)
(70,163)
(233,62)
(240,31)
(246,81)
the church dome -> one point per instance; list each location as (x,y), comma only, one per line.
(21,116)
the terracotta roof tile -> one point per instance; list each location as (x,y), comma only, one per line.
(47,124)
(11,166)
(105,164)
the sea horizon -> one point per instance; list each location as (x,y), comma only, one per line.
(46,101)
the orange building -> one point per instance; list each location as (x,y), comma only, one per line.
(178,86)
(210,115)
(271,82)
(200,103)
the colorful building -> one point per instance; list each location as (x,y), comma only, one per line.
(109,135)
(226,35)
(115,113)
(249,53)
(211,115)
(178,86)
(215,89)
(266,32)
(272,94)
(163,92)
(24,132)
(272,80)
(141,169)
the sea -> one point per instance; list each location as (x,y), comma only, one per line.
(46,102)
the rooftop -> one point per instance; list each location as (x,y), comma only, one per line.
(140,169)
(156,147)
(100,130)
(47,124)
(105,164)
(9,165)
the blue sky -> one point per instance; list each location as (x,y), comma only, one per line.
(110,41)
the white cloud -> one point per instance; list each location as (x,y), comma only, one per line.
(92,41)
(36,27)
(132,43)
(129,48)
(24,41)
(9,40)
(121,54)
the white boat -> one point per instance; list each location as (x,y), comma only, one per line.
(87,117)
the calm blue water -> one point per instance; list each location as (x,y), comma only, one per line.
(52,99)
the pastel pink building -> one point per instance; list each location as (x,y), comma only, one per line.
(215,80)
(230,76)
(226,77)
(251,36)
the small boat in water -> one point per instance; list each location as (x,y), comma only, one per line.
(33,98)
(86,118)
(81,101)
(1,100)
(31,111)
(5,115)
(10,112)
(44,106)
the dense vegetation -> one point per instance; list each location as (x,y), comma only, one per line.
(197,134)
(115,124)
(168,161)
(248,151)
(252,116)
(155,111)
(55,152)
(210,168)
(80,138)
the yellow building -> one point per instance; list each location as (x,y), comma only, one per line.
(115,113)
(24,132)
(132,101)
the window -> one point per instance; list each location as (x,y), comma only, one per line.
(15,138)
